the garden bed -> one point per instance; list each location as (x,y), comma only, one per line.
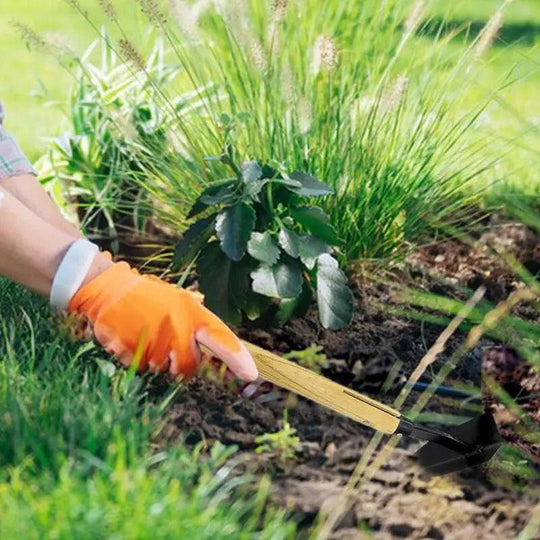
(400,500)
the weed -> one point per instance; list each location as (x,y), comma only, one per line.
(311,357)
(285,443)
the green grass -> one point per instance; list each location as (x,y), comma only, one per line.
(39,79)
(76,449)
(378,122)
(378,175)
(31,121)
(516,114)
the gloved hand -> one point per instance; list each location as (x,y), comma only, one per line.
(133,313)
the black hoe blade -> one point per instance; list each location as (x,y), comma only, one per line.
(481,440)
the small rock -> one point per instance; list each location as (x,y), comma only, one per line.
(330,451)
(357,368)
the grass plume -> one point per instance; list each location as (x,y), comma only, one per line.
(488,35)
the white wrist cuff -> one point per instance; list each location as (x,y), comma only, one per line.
(71,272)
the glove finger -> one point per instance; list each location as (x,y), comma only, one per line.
(114,346)
(225,345)
(159,365)
(185,358)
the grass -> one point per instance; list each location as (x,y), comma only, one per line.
(77,456)
(355,105)
(514,117)
(517,48)
(400,175)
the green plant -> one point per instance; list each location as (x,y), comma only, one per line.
(285,443)
(354,102)
(312,357)
(119,140)
(79,454)
(351,102)
(262,241)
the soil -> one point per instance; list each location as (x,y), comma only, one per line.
(400,500)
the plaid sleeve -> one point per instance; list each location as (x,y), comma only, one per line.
(12,159)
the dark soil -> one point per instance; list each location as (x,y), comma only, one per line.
(400,500)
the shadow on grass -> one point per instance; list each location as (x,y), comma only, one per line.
(511,33)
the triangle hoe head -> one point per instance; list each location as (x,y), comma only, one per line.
(480,433)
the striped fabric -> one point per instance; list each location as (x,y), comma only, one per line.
(12,159)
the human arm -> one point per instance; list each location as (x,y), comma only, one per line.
(17,176)
(31,249)
(26,188)
(131,314)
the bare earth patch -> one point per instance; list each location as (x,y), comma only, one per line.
(400,500)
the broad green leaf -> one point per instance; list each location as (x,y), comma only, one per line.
(256,305)
(290,242)
(287,182)
(224,195)
(222,191)
(309,185)
(216,277)
(262,247)
(252,189)
(240,281)
(193,240)
(283,280)
(196,209)
(310,249)
(316,222)
(334,298)
(268,172)
(285,310)
(233,228)
(293,307)
(251,171)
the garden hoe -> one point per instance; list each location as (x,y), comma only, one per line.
(449,450)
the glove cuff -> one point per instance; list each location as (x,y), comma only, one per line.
(71,272)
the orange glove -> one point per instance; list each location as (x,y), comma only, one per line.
(133,313)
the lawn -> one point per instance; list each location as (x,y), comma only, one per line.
(76,455)
(349,201)
(515,58)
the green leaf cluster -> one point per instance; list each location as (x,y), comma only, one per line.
(263,252)
(285,442)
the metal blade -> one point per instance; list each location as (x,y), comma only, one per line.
(480,433)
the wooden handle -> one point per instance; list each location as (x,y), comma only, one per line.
(308,384)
